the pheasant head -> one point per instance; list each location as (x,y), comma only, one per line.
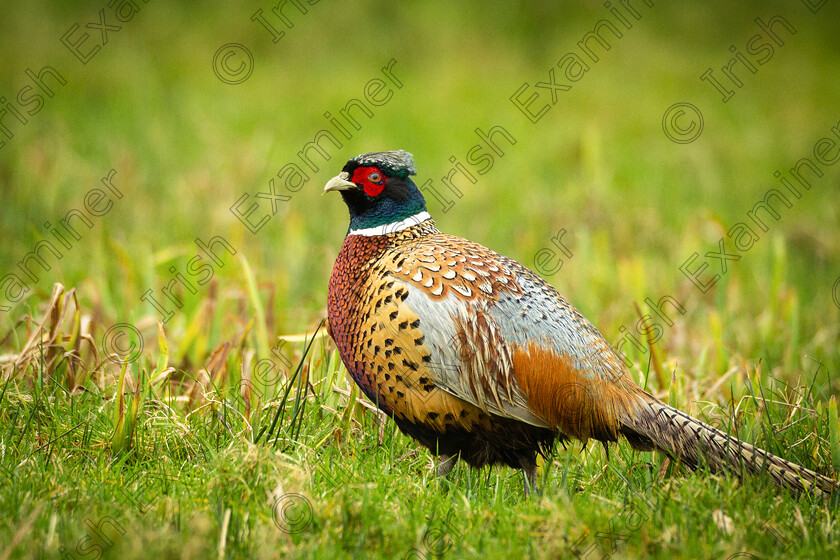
(378,190)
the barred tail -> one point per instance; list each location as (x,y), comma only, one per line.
(655,425)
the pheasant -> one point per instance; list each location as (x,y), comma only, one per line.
(476,357)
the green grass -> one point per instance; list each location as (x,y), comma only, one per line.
(189,464)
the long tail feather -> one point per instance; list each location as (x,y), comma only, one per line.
(654,424)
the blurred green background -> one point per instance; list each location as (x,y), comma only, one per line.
(636,205)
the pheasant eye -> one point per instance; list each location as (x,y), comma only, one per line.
(371,179)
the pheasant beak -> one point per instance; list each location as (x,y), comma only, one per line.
(339,183)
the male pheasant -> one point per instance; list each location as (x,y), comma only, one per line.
(476,357)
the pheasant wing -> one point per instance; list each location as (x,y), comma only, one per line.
(504,340)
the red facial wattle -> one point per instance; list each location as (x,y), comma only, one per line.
(371,178)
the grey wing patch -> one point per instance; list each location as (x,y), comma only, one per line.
(470,357)
(539,313)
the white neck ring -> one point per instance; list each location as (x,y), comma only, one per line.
(393,227)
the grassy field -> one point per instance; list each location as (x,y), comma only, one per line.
(218,421)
